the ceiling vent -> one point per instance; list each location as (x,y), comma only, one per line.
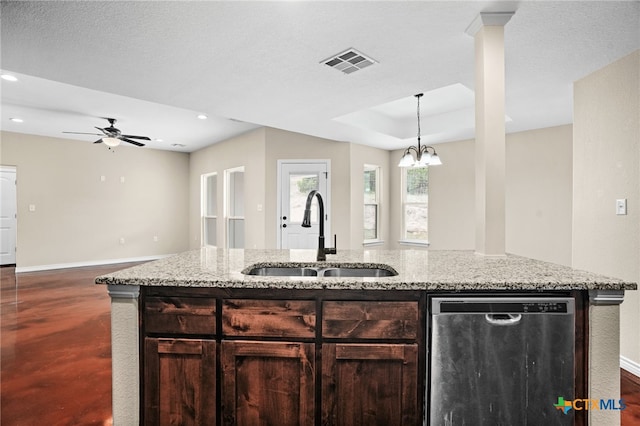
(349,61)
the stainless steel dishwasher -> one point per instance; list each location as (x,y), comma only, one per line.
(500,361)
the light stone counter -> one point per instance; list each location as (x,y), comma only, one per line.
(417,270)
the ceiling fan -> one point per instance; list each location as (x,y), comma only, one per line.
(112,136)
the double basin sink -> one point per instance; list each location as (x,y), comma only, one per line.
(350,270)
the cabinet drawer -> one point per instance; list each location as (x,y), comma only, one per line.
(182,315)
(370,320)
(269,318)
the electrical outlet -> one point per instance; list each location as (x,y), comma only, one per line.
(155,238)
(121,240)
(621,206)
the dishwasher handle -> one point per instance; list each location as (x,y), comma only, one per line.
(503,319)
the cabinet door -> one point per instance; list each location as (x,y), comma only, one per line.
(267,383)
(180,382)
(370,384)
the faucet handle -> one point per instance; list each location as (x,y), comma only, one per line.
(332,250)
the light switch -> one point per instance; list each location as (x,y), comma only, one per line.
(103,178)
(621,206)
(259,207)
(32,207)
(121,179)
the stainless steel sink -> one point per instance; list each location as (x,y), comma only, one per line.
(348,271)
(358,272)
(277,271)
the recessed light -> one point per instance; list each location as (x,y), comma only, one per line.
(202,116)
(159,140)
(178,145)
(8,77)
(17,120)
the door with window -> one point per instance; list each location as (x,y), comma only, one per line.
(296,181)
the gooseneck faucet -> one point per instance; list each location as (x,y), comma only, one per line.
(306,223)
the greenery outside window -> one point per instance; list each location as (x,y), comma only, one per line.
(371,218)
(415,203)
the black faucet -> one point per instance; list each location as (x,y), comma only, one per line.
(306,223)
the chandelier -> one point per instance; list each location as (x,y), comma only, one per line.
(423,157)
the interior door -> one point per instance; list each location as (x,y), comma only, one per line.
(296,181)
(8,221)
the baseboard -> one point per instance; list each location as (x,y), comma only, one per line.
(21,269)
(630,366)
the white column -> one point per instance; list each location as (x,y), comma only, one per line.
(125,357)
(604,353)
(488,31)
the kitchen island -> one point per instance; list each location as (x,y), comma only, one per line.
(196,315)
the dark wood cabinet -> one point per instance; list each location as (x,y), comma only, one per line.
(221,356)
(268,383)
(179,381)
(370,384)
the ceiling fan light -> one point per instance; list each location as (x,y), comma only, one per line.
(111,141)
(406,160)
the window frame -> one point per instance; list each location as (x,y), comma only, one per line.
(378,205)
(404,203)
(229,199)
(204,210)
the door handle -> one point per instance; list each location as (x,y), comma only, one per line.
(284,218)
(503,319)
(284,225)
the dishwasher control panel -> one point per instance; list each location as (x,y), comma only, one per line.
(502,306)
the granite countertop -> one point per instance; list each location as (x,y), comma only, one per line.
(417,270)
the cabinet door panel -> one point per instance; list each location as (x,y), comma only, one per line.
(268,383)
(369,384)
(182,315)
(370,320)
(272,318)
(180,382)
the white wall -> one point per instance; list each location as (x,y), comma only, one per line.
(606,166)
(80,219)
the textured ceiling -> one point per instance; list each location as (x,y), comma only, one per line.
(155,65)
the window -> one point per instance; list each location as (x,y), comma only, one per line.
(371,203)
(234,209)
(415,202)
(209,206)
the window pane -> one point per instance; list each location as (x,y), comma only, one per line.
(370,181)
(236,193)
(236,233)
(299,187)
(417,185)
(211,195)
(210,235)
(415,222)
(370,222)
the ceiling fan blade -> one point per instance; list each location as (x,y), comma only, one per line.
(98,141)
(136,137)
(103,131)
(122,138)
(82,133)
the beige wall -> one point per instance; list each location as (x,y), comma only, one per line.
(538,194)
(248,151)
(361,155)
(606,167)
(537,203)
(80,219)
(284,145)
